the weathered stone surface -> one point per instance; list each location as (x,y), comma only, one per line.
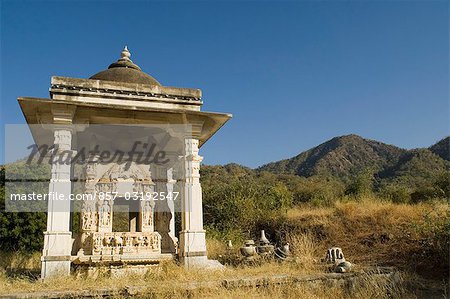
(124,70)
(78,85)
(346,281)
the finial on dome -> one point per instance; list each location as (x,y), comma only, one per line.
(125,54)
(124,61)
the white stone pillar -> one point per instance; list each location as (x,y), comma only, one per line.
(165,210)
(171,203)
(192,236)
(58,237)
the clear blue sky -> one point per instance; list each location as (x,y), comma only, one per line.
(293,74)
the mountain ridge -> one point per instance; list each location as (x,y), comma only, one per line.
(442,148)
(345,156)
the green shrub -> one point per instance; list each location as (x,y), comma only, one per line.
(396,193)
(425,193)
(361,184)
(434,230)
(319,190)
(442,184)
(245,205)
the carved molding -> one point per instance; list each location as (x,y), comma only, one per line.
(112,243)
(120,93)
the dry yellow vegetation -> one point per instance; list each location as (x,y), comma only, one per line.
(170,280)
(414,238)
(370,232)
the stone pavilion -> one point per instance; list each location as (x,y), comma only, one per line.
(123,94)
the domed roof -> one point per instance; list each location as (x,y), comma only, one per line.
(124,70)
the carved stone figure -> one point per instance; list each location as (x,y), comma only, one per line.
(155,243)
(128,240)
(118,241)
(98,243)
(147,211)
(105,212)
(106,241)
(89,216)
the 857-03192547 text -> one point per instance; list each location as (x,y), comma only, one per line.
(154,196)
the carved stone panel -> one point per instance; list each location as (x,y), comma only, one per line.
(125,243)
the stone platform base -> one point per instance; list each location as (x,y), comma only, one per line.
(201,262)
(112,270)
(116,266)
(345,281)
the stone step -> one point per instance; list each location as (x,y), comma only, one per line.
(345,280)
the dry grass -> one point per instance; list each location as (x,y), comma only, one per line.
(373,232)
(370,232)
(216,248)
(19,261)
(310,211)
(169,280)
(168,272)
(306,249)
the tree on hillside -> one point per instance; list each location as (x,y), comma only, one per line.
(362,184)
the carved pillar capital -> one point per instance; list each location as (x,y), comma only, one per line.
(63,114)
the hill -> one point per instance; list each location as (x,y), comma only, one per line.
(416,168)
(442,148)
(345,157)
(341,157)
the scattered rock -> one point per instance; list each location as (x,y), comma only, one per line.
(343,267)
(282,253)
(336,257)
